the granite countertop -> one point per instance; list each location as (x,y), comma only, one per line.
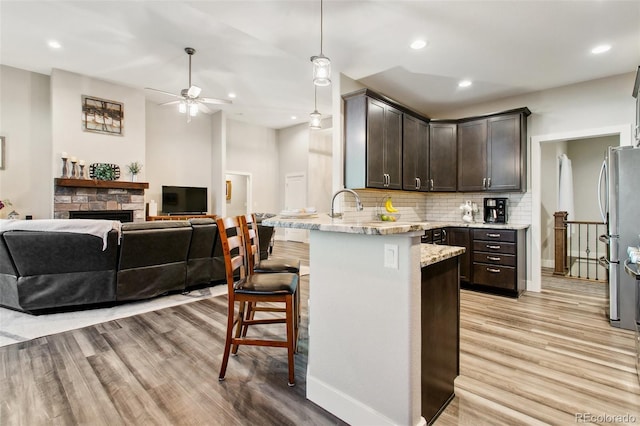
(322,222)
(433,253)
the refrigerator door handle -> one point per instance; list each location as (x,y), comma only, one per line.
(601,177)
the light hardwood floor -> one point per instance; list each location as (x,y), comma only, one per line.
(541,359)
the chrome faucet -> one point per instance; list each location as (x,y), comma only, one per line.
(359,206)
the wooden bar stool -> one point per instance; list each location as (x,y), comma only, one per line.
(252,288)
(266,266)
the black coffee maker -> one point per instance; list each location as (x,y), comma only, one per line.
(495,210)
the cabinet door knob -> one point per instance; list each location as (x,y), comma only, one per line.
(494,258)
(493,235)
(417,183)
(488,182)
(493,247)
(484,183)
(493,270)
(431,184)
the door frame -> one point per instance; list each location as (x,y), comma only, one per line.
(249,201)
(534,238)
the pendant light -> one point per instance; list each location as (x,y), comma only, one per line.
(321,64)
(315,118)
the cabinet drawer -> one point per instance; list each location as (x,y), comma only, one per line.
(495,258)
(494,247)
(507,235)
(495,276)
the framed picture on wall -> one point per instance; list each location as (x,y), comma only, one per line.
(2,152)
(102,116)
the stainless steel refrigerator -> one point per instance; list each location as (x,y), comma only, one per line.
(619,199)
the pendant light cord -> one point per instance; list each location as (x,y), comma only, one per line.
(321,25)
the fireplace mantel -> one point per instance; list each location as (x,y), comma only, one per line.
(95,183)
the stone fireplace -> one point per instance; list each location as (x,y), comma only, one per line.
(90,195)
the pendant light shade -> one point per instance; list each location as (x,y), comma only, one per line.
(321,70)
(182,107)
(315,118)
(321,64)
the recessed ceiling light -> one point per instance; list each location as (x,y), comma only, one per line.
(601,49)
(464,83)
(293,117)
(54,44)
(232,95)
(418,44)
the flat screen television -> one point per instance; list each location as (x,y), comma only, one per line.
(182,200)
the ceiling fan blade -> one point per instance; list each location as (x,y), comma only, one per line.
(169,103)
(194,91)
(203,108)
(214,101)
(163,92)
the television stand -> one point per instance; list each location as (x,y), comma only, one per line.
(181,217)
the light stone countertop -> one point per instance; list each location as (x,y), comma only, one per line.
(322,222)
(433,253)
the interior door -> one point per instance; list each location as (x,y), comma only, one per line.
(295,197)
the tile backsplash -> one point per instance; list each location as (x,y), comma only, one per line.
(432,206)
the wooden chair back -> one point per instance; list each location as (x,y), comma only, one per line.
(233,248)
(252,242)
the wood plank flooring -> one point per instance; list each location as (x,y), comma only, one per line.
(540,359)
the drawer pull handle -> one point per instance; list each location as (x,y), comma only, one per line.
(493,247)
(493,235)
(495,271)
(496,259)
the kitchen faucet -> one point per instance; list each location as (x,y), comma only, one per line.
(359,206)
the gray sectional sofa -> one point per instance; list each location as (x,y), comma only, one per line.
(44,270)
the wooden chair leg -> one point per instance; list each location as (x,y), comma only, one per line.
(239,326)
(227,344)
(291,344)
(249,315)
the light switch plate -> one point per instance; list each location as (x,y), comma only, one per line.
(391,256)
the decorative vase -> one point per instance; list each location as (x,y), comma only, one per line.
(134,177)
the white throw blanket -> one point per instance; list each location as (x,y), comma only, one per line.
(98,227)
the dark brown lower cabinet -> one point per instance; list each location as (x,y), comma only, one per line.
(498,261)
(440,335)
(461,237)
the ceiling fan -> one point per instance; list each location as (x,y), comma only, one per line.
(190,101)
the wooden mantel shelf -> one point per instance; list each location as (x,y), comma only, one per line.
(94,183)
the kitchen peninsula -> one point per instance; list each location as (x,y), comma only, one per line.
(383,320)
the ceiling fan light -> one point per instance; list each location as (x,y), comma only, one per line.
(194,91)
(193,110)
(182,108)
(321,70)
(315,120)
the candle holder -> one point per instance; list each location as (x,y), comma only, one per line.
(74,170)
(64,168)
(82,176)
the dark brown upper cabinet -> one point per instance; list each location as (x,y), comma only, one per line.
(373,133)
(443,161)
(492,152)
(415,154)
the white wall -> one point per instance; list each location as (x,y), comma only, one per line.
(25,122)
(293,151)
(253,149)
(66,129)
(549,174)
(177,152)
(320,169)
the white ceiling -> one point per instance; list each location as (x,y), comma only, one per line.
(260,49)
